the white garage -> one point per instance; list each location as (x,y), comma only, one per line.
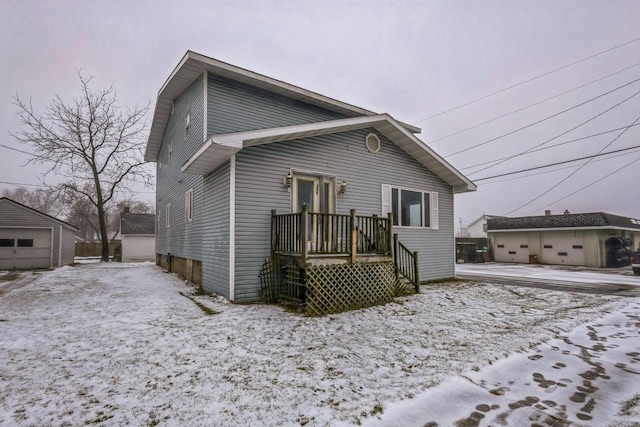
(30,239)
(25,248)
(582,239)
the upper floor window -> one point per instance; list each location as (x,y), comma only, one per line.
(170,151)
(188,205)
(167,216)
(410,207)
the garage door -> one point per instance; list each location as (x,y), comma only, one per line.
(511,247)
(25,248)
(562,247)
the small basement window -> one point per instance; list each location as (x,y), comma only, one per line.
(6,243)
(25,243)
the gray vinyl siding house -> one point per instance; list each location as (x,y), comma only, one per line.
(30,239)
(260,131)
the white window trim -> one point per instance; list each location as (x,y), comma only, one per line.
(387,206)
(188,205)
(167,219)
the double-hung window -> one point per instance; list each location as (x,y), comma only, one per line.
(188,205)
(167,216)
(411,207)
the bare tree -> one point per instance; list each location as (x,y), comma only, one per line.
(93,142)
(45,200)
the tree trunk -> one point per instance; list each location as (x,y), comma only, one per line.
(104,238)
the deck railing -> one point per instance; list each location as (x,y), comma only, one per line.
(308,233)
(406,263)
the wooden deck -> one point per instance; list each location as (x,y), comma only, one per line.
(330,262)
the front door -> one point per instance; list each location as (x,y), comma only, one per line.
(318,193)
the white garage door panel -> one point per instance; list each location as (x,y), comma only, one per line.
(511,247)
(26,257)
(563,248)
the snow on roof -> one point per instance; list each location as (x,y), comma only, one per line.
(578,220)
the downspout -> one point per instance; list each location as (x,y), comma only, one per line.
(232,227)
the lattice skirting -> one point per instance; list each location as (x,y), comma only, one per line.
(334,288)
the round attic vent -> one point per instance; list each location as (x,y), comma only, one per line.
(373,143)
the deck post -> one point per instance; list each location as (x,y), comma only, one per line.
(395,255)
(354,236)
(304,232)
(415,266)
(273,233)
(390,233)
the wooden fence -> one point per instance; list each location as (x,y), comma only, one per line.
(95,248)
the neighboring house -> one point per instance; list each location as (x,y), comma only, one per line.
(138,236)
(585,239)
(478,228)
(30,239)
(232,145)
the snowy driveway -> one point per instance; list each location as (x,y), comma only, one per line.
(573,279)
(125,344)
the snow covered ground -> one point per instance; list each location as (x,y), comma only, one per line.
(622,276)
(120,344)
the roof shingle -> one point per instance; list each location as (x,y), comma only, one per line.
(596,219)
(135,223)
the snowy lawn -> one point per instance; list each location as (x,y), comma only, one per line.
(129,344)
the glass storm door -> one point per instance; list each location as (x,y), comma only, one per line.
(317,192)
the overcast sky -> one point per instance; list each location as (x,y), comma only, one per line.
(411,59)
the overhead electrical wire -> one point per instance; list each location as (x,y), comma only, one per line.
(550,171)
(548,117)
(559,135)
(530,105)
(528,80)
(594,182)
(552,146)
(635,147)
(572,173)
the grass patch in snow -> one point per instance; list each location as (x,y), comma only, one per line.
(206,310)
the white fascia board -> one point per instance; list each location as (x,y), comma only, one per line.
(602,227)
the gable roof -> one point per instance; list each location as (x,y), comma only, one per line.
(20,205)
(594,220)
(219,148)
(137,223)
(194,64)
(483,217)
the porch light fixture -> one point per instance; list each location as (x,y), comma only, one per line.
(342,187)
(287,180)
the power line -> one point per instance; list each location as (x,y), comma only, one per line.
(550,117)
(547,172)
(571,174)
(595,182)
(531,105)
(528,80)
(552,146)
(20,183)
(559,163)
